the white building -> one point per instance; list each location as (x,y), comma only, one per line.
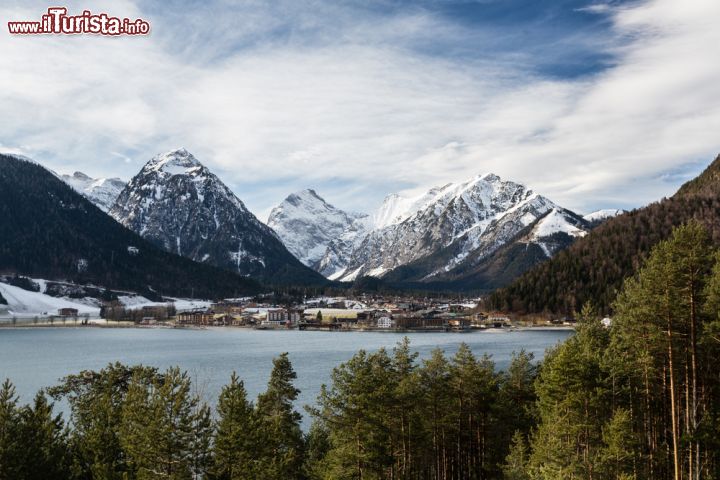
(385,322)
(281,316)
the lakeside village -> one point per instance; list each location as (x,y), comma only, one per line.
(365,313)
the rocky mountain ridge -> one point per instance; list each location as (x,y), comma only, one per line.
(448,228)
(180,205)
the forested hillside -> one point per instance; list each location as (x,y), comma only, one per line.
(594,267)
(48,230)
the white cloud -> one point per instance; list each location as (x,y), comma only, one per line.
(596,8)
(354,108)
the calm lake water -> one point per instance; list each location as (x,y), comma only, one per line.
(33,358)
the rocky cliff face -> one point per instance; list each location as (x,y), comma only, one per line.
(308,225)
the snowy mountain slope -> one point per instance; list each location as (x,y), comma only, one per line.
(553,231)
(307,225)
(101,191)
(604,214)
(558,222)
(477,216)
(334,261)
(178,204)
(49,299)
(27,303)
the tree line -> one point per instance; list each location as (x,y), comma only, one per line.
(384,416)
(636,399)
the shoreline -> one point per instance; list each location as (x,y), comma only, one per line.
(125,325)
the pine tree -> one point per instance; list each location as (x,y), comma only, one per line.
(10,449)
(402,410)
(435,396)
(573,405)
(96,401)
(282,438)
(33,440)
(354,409)
(660,327)
(317,446)
(237,441)
(517,395)
(474,387)
(516,462)
(43,440)
(620,453)
(201,451)
(157,431)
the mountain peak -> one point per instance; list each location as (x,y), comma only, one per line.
(181,206)
(604,214)
(305,195)
(308,224)
(490,177)
(174,162)
(81,176)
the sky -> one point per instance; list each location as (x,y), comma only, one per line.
(593,104)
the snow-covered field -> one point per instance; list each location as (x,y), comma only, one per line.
(24,303)
(181,304)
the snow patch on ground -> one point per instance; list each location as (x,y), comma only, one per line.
(181,304)
(376,272)
(352,275)
(337,275)
(26,303)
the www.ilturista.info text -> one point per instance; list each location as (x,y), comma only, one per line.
(57,21)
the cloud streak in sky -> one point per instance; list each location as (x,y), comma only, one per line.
(357,102)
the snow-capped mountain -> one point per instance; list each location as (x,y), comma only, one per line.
(177,203)
(101,191)
(442,233)
(477,216)
(602,215)
(308,225)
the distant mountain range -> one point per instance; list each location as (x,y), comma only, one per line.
(476,234)
(594,268)
(473,235)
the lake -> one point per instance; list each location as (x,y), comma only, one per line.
(33,358)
